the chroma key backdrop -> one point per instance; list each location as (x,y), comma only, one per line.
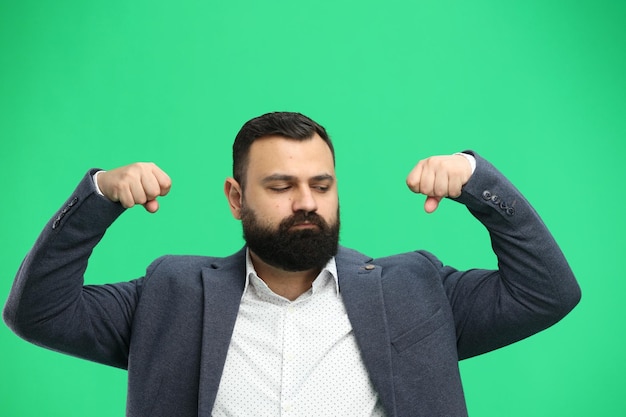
(538,87)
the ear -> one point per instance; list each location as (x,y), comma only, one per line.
(234,195)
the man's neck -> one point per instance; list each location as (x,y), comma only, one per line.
(287,284)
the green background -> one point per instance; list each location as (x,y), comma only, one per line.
(538,87)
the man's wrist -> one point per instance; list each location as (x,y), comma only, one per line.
(470,159)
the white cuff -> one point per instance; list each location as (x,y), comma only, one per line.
(95,182)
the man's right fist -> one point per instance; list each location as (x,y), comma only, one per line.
(138,183)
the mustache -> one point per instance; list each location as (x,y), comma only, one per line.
(303,217)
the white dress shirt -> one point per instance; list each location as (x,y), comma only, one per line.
(294,358)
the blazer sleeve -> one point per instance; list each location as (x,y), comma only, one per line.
(533,287)
(48,304)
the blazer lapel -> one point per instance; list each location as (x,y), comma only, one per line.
(361,290)
(223,286)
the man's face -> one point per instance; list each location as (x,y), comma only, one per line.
(290,208)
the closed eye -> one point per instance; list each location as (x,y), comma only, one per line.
(280,189)
(321,188)
(322,183)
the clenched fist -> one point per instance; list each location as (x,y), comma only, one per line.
(138,183)
(438,177)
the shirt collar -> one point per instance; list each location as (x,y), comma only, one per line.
(330,270)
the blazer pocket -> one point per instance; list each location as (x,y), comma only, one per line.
(419,331)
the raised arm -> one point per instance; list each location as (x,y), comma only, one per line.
(48,303)
(533,286)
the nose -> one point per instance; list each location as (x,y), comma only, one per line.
(304,200)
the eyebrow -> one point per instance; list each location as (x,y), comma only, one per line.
(290,178)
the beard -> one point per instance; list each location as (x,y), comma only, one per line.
(292,250)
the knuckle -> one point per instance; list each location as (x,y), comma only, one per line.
(413,184)
(150,195)
(127,203)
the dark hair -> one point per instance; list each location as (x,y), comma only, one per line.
(289,125)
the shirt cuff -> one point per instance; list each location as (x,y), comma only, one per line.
(95,182)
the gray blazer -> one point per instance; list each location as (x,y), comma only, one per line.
(413,318)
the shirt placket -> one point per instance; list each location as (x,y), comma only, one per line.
(290,366)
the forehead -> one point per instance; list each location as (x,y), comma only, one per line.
(276,154)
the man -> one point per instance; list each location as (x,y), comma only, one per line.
(292,323)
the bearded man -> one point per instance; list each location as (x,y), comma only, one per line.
(292,324)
